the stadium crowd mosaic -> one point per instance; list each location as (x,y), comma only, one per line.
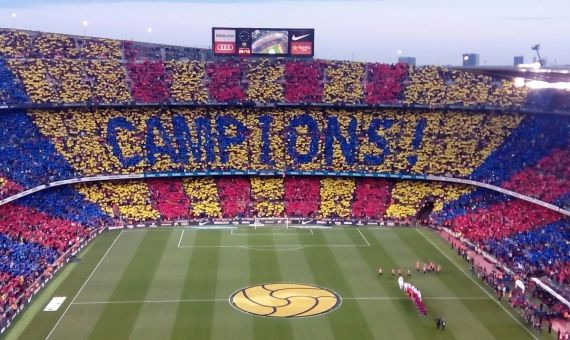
(45,68)
(493,142)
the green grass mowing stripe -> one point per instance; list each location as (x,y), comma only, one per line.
(155,320)
(101,285)
(264,268)
(295,268)
(351,322)
(33,323)
(233,274)
(195,320)
(500,325)
(117,320)
(79,292)
(407,323)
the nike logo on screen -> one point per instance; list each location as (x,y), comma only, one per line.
(295,38)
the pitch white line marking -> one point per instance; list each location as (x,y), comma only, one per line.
(379,298)
(276,247)
(84,284)
(281,245)
(146,301)
(477,283)
(295,232)
(263,234)
(451,298)
(181,236)
(365,240)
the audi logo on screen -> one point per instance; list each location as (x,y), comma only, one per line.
(224,48)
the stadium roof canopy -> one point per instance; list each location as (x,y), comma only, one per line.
(558,74)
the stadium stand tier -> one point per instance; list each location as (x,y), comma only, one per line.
(54,69)
(231,139)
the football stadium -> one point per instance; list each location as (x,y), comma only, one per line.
(255,191)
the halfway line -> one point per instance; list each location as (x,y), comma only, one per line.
(222,300)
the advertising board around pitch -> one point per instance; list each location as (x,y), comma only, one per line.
(277,42)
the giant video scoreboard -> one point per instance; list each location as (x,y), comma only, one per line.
(278,42)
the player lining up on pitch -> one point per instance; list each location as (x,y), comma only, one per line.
(429,267)
(440,323)
(399,271)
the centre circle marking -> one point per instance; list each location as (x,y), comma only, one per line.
(285,300)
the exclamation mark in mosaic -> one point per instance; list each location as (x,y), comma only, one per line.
(417,141)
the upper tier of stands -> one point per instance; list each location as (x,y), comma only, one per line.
(46,69)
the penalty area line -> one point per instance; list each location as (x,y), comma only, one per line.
(477,283)
(365,240)
(277,246)
(181,236)
(84,284)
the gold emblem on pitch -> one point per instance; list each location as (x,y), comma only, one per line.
(285,300)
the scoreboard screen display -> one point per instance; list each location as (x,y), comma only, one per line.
(278,42)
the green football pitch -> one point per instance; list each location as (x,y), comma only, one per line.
(176,283)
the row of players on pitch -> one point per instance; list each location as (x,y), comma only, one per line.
(427,268)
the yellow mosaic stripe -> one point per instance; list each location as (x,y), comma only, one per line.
(344,82)
(34,76)
(203,194)
(187,78)
(101,49)
(264,79)
(467,140)
(48,43)
(14,43)
(131,198)
(109,81)
(69,80)
(267,192)
(506,94)
(427,86)
(407,196)
(336,197)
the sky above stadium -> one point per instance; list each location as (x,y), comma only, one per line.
(433,31)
